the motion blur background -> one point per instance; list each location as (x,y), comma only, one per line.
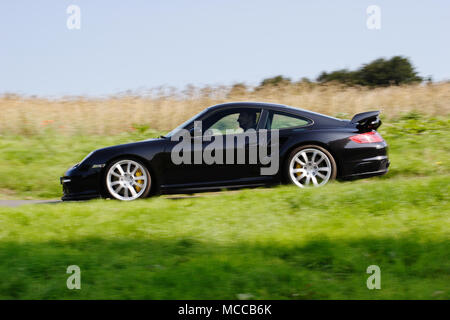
(157,63)
(136,69)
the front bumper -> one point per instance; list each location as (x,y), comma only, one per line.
(80,183)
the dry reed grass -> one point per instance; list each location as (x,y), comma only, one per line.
(163,108)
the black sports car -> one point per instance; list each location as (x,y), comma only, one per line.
(310,149)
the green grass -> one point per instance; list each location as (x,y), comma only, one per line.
(278,243)
(268,243)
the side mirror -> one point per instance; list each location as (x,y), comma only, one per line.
(193,133)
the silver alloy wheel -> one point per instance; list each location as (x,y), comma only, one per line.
(127,180)
(310,167)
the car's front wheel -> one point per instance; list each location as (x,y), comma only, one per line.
(127,179)
(310,165)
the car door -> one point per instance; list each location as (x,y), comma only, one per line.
(221,135)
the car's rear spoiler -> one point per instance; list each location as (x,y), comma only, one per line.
(367,120)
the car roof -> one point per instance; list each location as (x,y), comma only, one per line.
(281,108)
(253,104)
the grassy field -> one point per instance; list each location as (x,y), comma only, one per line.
(277,243)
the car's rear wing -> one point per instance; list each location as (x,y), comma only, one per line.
(367,121)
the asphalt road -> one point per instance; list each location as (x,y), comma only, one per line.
(16,203)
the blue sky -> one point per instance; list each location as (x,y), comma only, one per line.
(133,45)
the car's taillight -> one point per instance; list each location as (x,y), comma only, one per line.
(368,137)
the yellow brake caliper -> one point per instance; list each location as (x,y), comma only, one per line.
(138,174)
(298,166)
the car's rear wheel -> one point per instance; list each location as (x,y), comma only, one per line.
(310,165)
(127,179)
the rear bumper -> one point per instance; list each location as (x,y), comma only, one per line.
(369,169)
(364,160)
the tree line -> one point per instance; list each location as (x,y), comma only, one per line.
(379,73)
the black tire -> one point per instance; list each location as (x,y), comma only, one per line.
(296,151)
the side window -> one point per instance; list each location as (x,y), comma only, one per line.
(227,123)
(234,121)
(282,121)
